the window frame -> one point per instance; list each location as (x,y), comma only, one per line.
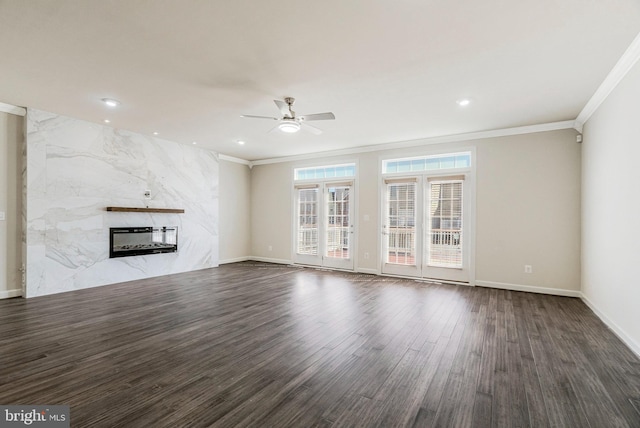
(385,161)
(325,168)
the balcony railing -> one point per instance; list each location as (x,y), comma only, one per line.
(444,250)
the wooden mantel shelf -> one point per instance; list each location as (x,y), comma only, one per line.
(146,210)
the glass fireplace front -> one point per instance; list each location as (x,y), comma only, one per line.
(137,241)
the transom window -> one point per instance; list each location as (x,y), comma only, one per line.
(324,172)
(427,163)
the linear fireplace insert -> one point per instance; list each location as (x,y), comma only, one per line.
(137,241)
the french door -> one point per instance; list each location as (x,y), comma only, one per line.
(324,225)
(425,228)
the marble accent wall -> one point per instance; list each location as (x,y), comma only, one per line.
(75,169)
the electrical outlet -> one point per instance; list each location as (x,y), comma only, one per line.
(528,269)
(2,215)
(270,248)
(366,255)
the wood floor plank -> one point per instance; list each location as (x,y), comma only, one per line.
(488,363)
(457,401)
(399,397)
(515,389)
(257,344)
(434,394)
(561,402)
(482,411)
(536,407)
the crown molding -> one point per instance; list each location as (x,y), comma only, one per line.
(530,129)
(234,159)
(8,108)
(617,73)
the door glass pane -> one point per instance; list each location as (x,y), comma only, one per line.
(401,223)
(307,221)
(338,222)
(445,224)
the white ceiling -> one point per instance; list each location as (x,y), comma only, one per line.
(389,70)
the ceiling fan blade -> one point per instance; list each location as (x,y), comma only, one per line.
(250,116)
(310,128)
(318,116)
(283,107)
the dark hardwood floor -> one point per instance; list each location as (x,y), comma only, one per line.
(253,344)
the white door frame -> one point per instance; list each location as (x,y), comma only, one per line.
(321,259)
(444,273)
(307,259)
(469,215)
(336,262)
(402,269)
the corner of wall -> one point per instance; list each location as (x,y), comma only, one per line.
(619,331)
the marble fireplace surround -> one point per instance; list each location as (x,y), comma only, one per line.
(75,169)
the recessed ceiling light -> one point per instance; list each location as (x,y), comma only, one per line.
(241,142)
(155,133)
(111,102)
(289,126)
(464,102)
(107,121)
(195,142)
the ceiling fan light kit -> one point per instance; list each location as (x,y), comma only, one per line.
(289,126)
(289,122)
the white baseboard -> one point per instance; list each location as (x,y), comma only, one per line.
(235,260)
(270,260)
(367,271)
(6,294)
(284,262)
(622,335)
(529,288)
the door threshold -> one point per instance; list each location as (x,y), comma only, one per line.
(429,280)
(324,268)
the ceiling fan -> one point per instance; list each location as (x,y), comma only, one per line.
(289,122)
